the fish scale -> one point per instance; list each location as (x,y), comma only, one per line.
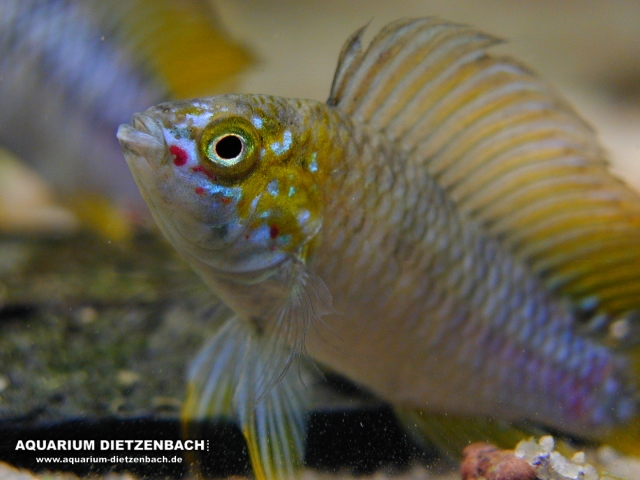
(440,267)
(430,270)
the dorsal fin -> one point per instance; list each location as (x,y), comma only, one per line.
(510,153)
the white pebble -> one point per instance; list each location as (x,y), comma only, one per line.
(547,443)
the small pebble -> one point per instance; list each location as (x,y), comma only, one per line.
(119,405)
(552,465)
(484,461)
(578,458)
(128,378)
(547,443)
(87,315)
(617,464)
(166,403)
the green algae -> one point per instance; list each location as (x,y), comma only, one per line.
(90,328)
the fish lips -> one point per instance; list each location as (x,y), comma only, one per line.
(145,152)
(143,139)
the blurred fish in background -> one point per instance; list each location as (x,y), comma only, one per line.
(71,71)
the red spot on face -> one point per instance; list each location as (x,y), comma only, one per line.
(274,231)
(200,169)
(199,191)
(225,200)
(246,236)
(180,157)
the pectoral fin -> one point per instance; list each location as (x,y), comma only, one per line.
(225,381)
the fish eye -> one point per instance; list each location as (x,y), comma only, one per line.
(227,147)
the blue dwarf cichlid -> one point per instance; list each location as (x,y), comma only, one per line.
(444,232)
(71,71)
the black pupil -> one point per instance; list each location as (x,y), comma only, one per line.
(229,147)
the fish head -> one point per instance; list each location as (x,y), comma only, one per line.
(228,179)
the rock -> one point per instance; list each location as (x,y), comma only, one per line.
(485,461)
(550,464)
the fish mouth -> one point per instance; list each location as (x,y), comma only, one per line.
(146,124)
(144,139)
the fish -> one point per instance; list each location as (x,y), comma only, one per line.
(72,71)
(444,232)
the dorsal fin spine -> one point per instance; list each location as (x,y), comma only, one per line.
(411,65)
(366,62)
(426,84)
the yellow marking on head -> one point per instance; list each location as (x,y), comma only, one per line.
(190,110)
(280,181)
